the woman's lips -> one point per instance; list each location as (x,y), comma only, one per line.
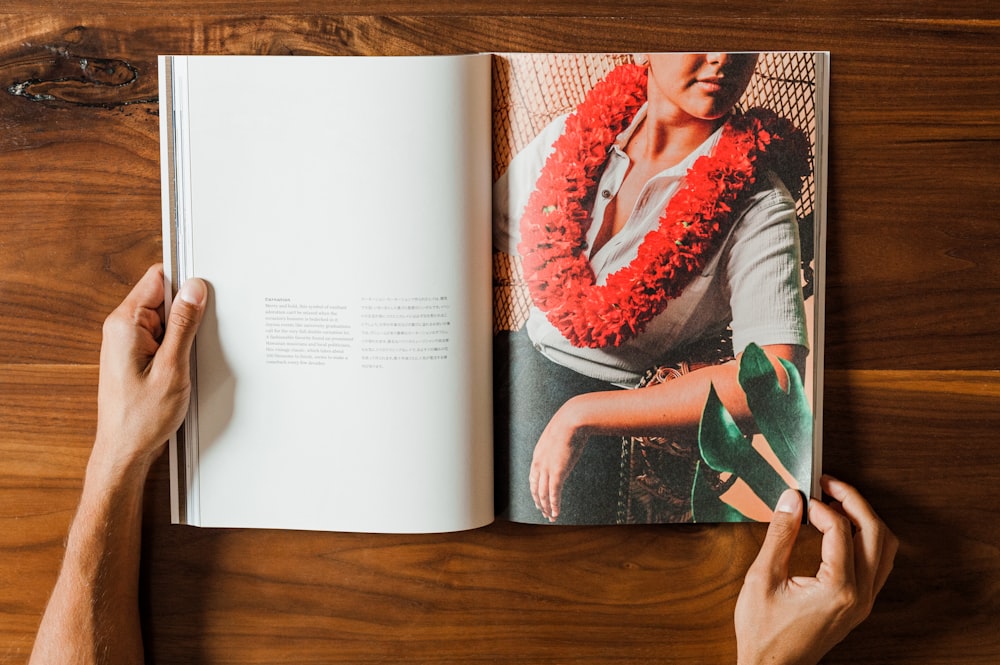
(710,85)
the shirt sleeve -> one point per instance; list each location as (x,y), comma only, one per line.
(764,273)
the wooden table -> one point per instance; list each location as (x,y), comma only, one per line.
(912,384)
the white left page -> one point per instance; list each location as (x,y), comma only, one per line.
(339,208)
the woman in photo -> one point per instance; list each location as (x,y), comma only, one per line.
(648,222)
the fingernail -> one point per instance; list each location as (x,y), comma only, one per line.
(193,291)
(788,502)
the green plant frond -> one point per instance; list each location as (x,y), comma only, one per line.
(783,418)
(723,447)
(719,438)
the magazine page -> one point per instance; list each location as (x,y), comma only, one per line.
(655,218)
(339,210)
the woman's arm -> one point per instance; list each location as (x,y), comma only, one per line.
(670,409)
(92,616)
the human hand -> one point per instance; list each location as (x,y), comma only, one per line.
(145,380)
(556,453)
(785,620)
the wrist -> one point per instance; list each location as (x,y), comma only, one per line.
(114,465)
(573,416)
(769,658)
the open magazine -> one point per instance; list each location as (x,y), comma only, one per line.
(554,288)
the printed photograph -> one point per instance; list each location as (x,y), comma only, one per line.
(654,280)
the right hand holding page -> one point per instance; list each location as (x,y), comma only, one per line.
(796,620)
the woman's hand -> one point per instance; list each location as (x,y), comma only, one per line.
(786,620)
(556,453)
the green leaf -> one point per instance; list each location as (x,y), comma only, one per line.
(719,438)
(783,418)
(724,448)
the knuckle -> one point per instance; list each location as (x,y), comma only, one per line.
(783,529)
(116,325)
(890,543)
(848,600)
(849,597)
(843,525)
(184,316)
(889,556)
(112,321)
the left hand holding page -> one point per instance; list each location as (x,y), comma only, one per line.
(145,370)
(145,385)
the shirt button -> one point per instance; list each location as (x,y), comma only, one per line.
(606,193)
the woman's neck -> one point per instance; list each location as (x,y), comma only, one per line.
(668,135)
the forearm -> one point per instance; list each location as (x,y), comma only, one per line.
(92,616)
(670,409)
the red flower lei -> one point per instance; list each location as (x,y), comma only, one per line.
(554,226)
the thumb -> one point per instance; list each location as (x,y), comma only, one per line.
(772,561)
(185,316)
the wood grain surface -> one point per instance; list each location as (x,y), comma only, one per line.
(913,352)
